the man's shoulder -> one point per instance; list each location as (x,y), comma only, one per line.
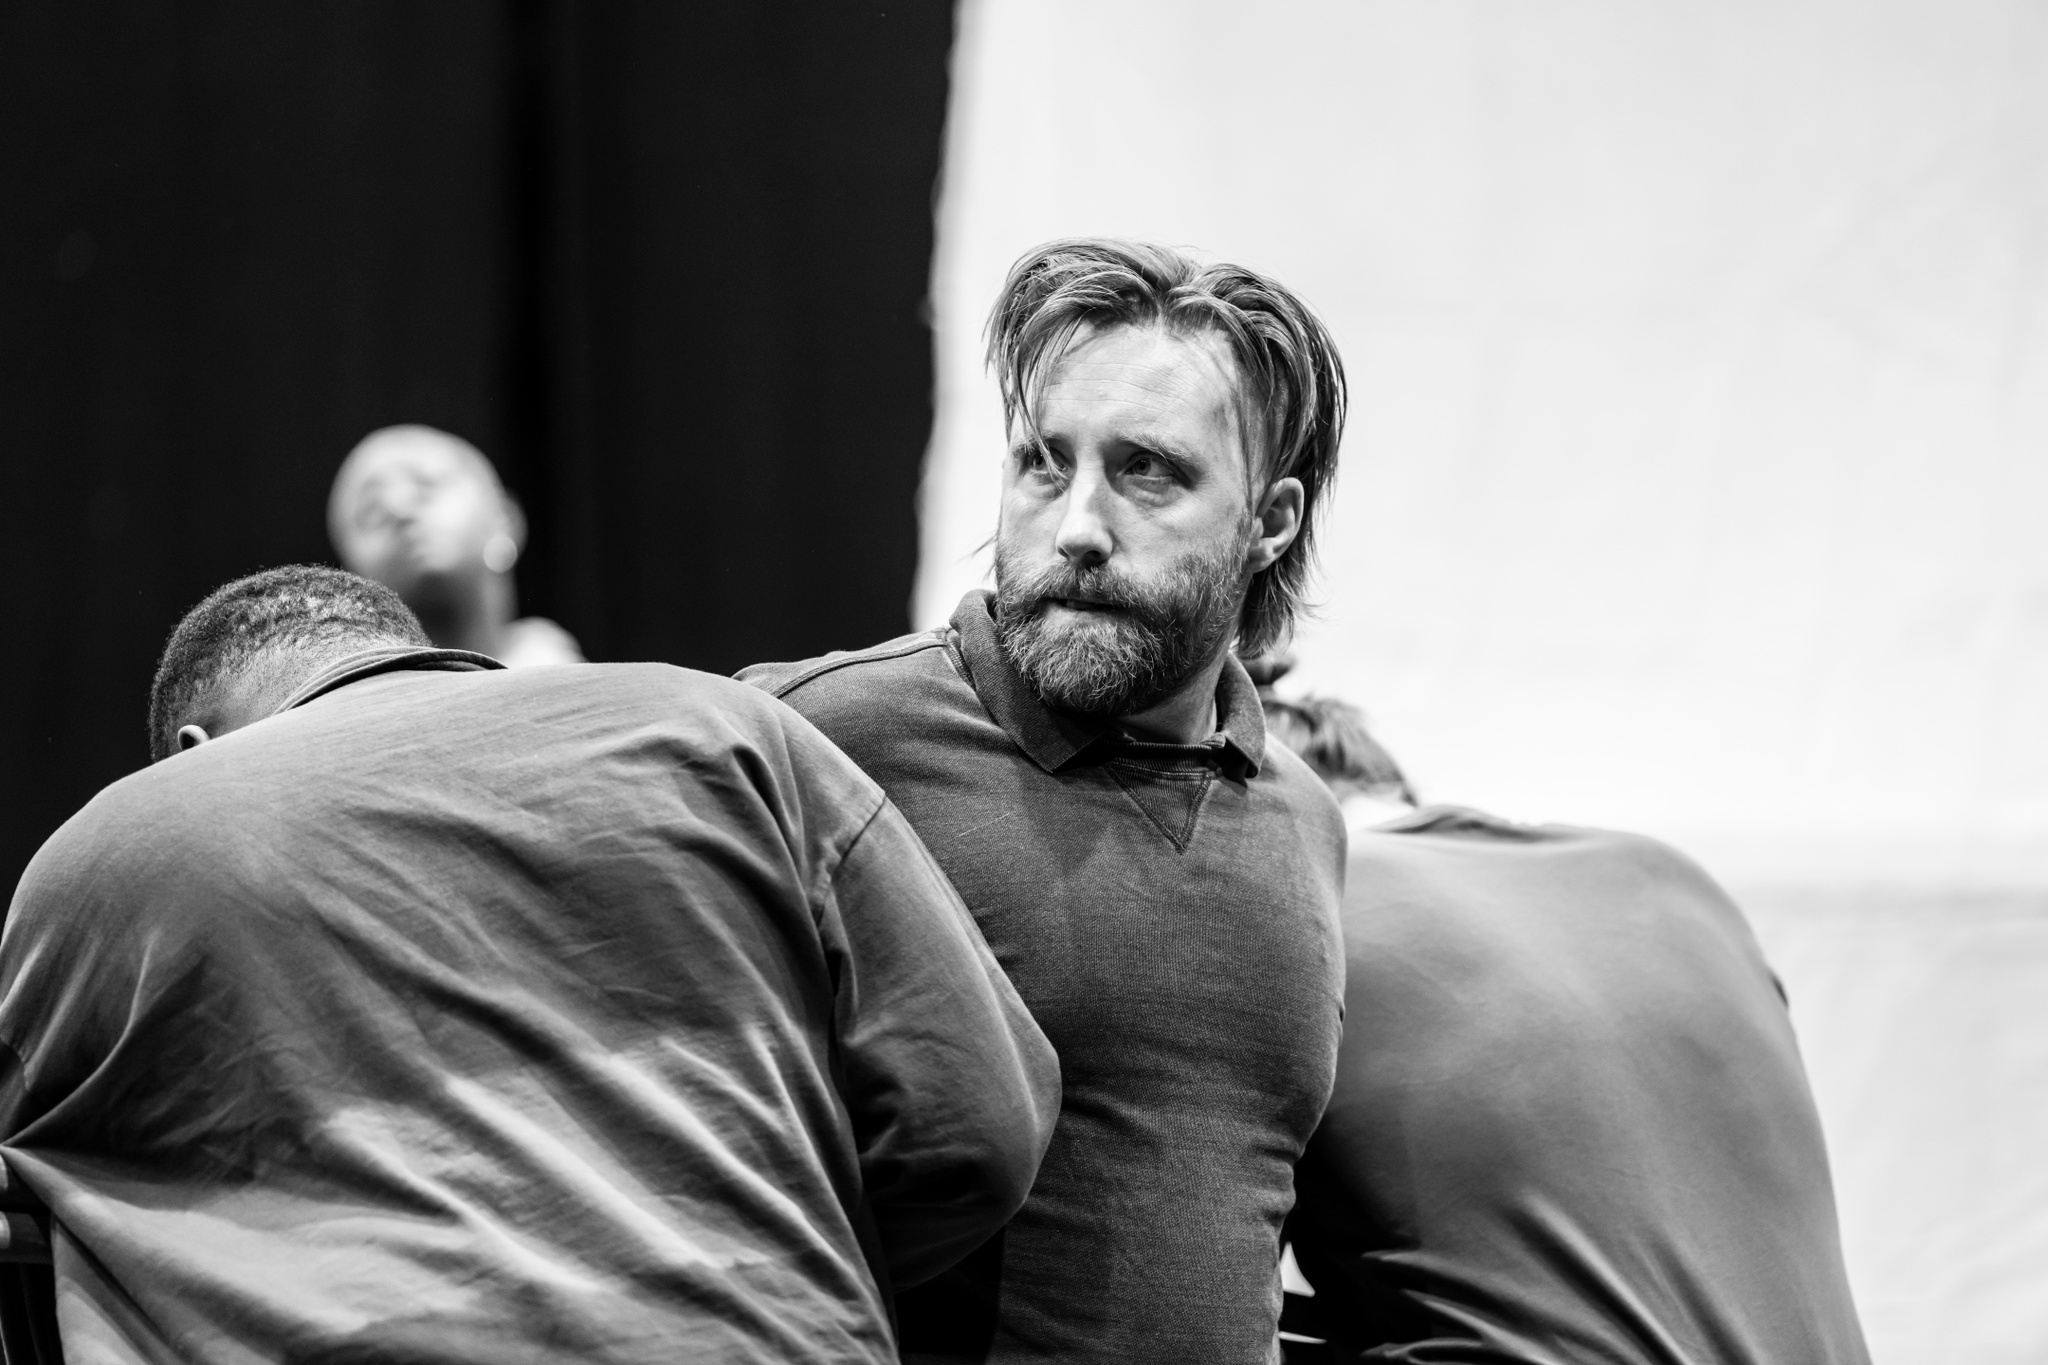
(657,684)
(709,716)
(906,656)
(1288,772)
(1455,870)
(907,674)
(142,830)
(1305,795)
(905,711)
(593,696)
(204,813)
(1450,830)
(480,720)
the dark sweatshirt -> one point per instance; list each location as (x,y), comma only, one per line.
(597,1013)
(1169,914)
(1570,1121)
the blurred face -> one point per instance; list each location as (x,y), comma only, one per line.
(413,510)
(1128,536)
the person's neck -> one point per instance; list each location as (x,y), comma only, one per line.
(1187,715)
(474,619)
(260,690)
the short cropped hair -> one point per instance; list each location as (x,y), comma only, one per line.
(1331,736)
(298,609)
(1284,356)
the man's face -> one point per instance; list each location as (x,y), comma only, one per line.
(1124,547)
(415,511)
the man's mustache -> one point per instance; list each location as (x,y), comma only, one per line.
(1097,587)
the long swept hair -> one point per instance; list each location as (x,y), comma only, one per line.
(1284,356)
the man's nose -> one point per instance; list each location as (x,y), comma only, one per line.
(1084,538)
(404,506)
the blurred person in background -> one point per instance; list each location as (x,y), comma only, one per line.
(412,1009)
(1570,1120)
(1086,758)
(423,513)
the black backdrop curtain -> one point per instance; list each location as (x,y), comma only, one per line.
(664,262)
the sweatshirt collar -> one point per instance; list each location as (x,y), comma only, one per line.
(386,659)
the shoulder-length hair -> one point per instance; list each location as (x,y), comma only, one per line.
(1285,359)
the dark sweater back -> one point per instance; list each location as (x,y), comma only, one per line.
(1570,1120)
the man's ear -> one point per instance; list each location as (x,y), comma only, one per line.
(515,520)
(191,737)
(502,547)
(1279,518)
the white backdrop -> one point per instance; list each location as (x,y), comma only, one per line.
(1697,480)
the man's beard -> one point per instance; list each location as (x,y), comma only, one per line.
(1145,640)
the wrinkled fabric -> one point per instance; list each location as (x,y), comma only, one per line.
(1169,914)
(602,1013)
(1570,1121)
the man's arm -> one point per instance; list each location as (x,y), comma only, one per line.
(952,1088)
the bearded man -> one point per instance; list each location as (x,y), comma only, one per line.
(1087,760)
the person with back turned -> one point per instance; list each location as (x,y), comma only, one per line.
(1570,1120)
(412,1009)
(1085,757)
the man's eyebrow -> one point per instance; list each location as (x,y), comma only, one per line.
(1144,438)
(1160,443)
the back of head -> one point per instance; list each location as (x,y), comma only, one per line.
(1285,357)
(1331,736)
(260,636)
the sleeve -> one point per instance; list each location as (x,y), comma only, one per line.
(49,982)
(952,1088)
